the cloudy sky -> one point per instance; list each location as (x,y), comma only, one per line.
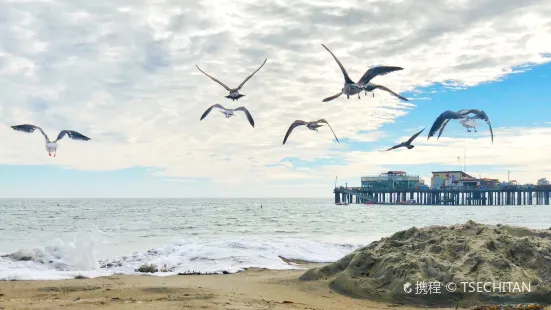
(123,73)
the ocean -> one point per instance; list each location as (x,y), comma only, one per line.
(44,239)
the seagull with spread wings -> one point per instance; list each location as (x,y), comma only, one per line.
(234,92)
(229,112)
(310,125)
(51,147)
(443,119)
(350,88)
(468,123)
(407,143)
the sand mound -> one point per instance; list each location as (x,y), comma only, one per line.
(494,256)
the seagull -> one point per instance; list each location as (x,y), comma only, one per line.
(234,92)
(463,115)
(51,147)
(229,112)
(468,123)
(408,142)
(310,125)
(350,88)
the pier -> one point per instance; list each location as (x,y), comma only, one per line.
(514,195)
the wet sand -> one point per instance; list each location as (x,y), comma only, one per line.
(252,289)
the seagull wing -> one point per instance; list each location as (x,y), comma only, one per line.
(332,97)
(483,116)
(250,76)
(324,121)
(465,112)
(395,147)
(440,120)
(30,128)
(293,125)
(210,109)
(217,81)
(390,91)
(373,72)
(347,78)
(442,128)
(479,115)
(414,136)
(71,134)
(249,116)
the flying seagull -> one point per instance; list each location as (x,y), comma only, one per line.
(51,147)
(229,112)
(234,92)
(468,123)
(407,143)
(443,119)
(350,88)
(311,125)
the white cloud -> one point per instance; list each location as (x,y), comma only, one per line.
(123,73)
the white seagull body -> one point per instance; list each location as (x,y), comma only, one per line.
(310,125)
(229,112)
(463,116)
(234,92)
(468,123)
(351,88)
(51,146)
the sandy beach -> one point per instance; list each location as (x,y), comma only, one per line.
(252,289)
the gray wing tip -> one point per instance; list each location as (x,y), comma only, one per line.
(73,135)
(391,67)
(207,111)
(248,113)
(24,127)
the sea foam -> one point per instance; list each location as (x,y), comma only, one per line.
(221,255)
